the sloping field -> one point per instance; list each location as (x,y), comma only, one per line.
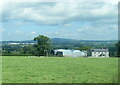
(22,69)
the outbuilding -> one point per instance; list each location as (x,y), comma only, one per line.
(69,53)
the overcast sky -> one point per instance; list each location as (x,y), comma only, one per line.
(73,20)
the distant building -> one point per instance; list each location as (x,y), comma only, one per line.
(99,52)
(69,53)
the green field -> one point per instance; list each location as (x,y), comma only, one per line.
(20,69)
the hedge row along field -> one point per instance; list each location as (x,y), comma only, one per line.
(23,69)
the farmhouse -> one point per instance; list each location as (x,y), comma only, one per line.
(99,52)
(69,53)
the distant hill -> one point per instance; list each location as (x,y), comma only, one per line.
(59,40)
(74,40)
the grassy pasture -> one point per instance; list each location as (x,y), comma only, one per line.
(22,69)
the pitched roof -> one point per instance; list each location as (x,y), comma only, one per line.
(99,50)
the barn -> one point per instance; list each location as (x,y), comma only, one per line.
(69,53)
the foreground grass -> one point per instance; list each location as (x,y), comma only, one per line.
(22,69)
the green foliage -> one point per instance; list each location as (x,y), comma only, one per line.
(10,49)
(42,47)
(27,49)
(17,55)
(83,48)
(118,48)
(23,69)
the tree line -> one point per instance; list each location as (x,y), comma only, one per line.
(43,47)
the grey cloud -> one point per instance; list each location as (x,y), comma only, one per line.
(60,13)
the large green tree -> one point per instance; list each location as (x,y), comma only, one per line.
(42,46)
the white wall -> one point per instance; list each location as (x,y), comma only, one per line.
(96,54)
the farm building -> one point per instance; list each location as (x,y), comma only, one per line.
(99,52)
(69,53)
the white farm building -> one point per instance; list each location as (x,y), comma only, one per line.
(99,52)
(69,53)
